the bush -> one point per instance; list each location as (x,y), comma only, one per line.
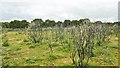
(4,36)
(16,33)
(54,44)
(7,57)
(28,43)
(5,43)
(64,48)
(19,32)
(31,60)
(17,49)
(9,63)
(32,46)
(52,57)
(115,47)
(25,40)
(61,37)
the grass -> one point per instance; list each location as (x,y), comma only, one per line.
(22,52)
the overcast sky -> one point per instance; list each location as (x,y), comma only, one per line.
(104,10)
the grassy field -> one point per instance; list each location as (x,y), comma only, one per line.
(22,52)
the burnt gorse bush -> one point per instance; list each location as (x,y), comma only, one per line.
(81,38)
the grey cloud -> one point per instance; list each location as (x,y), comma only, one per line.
(58,9)
(11,11)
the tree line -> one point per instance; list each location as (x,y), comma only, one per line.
(50,23)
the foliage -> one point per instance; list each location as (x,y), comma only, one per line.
(5,40)
(5,43)
(49,23)
(15,24)
(78,42)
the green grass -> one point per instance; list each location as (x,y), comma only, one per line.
(22,52)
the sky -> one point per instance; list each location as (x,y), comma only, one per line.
(104,10)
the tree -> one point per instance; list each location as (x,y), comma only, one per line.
(15,24)
(50,23)
(35,30)
(98,22)
(18,24)
(66,23)
(84,40)
(24,24)
(59,23)
(75,22)
(117,23)
(5,24)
